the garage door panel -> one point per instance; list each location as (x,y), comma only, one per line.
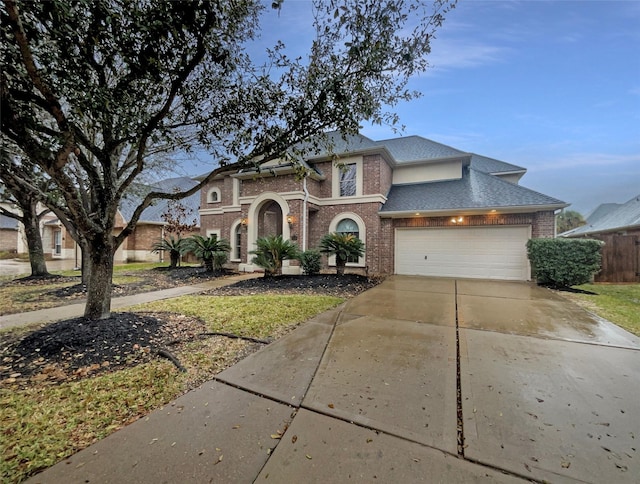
(475,252)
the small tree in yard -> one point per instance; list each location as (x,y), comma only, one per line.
(178,218)
(343,246)
(209,250)
(175,246)
(271,252)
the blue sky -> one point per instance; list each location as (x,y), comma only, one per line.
(553,86)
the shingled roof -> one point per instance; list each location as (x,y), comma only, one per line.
(474,191)
(407,149)
(8,223)
(153,214)
(493,166)
(623,217)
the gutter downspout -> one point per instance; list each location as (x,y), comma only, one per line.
(304,213)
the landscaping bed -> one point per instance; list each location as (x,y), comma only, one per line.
(66,384)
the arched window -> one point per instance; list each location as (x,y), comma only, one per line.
(349,226)
(349,223)
(213,195)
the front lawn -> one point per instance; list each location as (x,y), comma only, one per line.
(22,294)
(618,303)
(52,409)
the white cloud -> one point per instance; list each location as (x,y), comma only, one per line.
(461,54)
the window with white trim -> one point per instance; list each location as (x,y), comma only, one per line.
(213,195)
(349,226)
(237,242)
(348,180)
(349,223)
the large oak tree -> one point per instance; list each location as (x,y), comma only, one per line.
(90,88)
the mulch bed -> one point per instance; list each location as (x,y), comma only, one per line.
(347,285)
(77,348)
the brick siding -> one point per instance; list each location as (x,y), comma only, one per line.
(380,233)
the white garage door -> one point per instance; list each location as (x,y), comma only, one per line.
(474,252)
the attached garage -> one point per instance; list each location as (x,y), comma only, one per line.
(467,252)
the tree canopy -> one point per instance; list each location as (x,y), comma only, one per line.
(568,220)
(97,94)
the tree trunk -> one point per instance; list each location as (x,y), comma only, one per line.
(340,265)
(85,267)
(34,241)
(208,264)
(100,281)
(174,257)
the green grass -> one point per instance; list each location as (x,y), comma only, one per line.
(618,303)
(44,423)
(254,316)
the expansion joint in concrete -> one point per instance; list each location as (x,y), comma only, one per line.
(460,423)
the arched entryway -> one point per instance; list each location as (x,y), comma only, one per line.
(270,219)
(267,215)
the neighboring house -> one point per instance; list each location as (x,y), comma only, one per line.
(149,229)
(618,225)
(9,234)
(151,226)
(420,207)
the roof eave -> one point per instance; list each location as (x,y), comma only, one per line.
(604,231)
(444,212)
(274,171)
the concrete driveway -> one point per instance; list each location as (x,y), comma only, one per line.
(418,379)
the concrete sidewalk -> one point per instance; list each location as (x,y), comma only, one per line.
(415,380)
(76,310)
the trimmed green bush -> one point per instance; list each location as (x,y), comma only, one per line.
(564,262)
(311,262)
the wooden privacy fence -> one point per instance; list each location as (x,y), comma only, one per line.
(620,258)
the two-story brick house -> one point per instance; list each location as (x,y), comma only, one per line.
(420,207)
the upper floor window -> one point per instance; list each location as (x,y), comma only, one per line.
(348,180)
(213,195)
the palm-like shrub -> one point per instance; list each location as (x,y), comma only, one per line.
(271,251)
(210,250)
(175,246)
(344,246)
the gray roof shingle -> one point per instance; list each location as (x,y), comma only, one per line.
(8,223)
(475,190)
(155,211)
(493,166)
(338,143)
(624,216)
(416,148)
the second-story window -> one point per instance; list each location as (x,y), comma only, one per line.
(348,180)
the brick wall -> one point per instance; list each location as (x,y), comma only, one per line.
(544,224)
(8,240)
(277,184)
(377,175)
(320,221)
